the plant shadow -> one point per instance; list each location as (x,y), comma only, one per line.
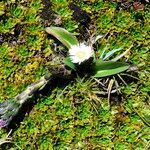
(55,81)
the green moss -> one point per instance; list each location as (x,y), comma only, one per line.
(74,117)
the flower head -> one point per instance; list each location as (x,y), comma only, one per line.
(80,53)
(8,109)
(3,123)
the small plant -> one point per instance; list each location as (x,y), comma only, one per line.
(83,53)
(6,139)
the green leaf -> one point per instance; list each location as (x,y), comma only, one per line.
(103,52)
(63,36)
(107,68)
(122,54)
(69,63)
(109,54)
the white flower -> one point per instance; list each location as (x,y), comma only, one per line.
(80,53)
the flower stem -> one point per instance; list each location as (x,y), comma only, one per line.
(11,107)
(34,87)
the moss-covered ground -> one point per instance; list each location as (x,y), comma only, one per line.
(71,115)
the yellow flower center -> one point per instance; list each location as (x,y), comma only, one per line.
(80,54)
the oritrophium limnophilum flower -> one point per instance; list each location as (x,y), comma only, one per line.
(80,53)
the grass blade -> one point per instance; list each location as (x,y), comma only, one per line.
(109,54)
(123,54)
